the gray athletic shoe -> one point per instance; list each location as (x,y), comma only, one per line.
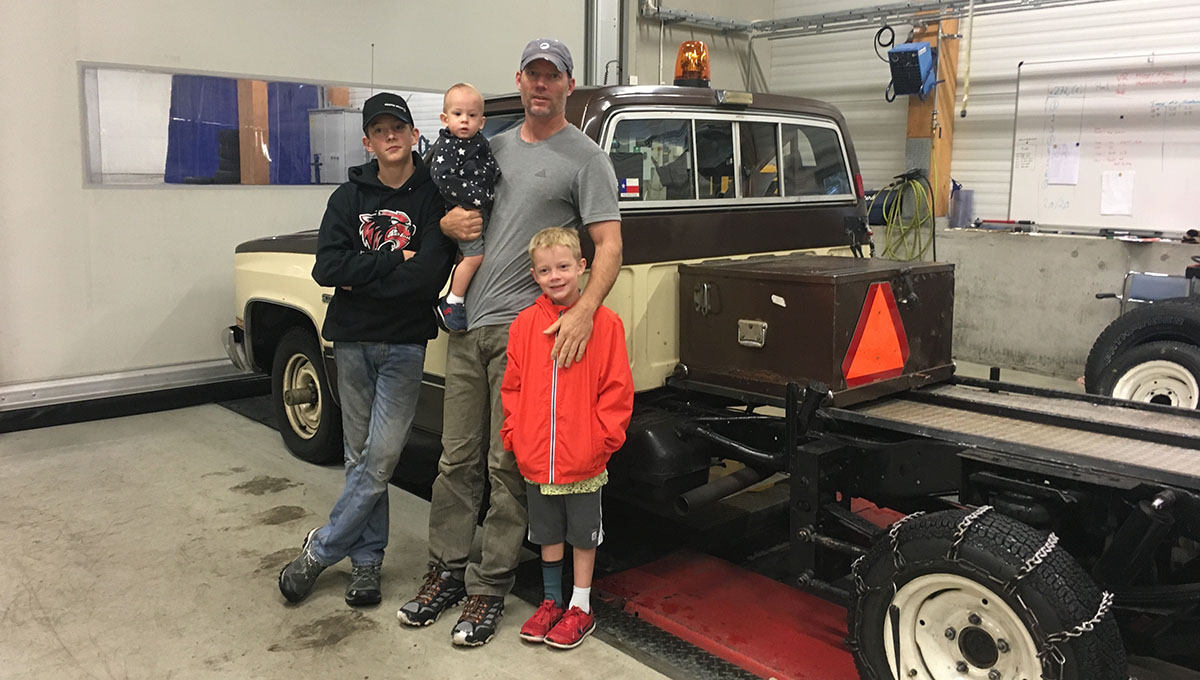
(297,578)
(479,620)
(441,591)
(363,590)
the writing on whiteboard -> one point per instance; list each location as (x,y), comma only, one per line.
(1139,79)
(1107,142)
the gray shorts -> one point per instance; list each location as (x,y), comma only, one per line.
(573,518)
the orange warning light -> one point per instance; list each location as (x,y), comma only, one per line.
(691,64)
(879,347)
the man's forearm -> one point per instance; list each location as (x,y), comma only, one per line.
(606,265)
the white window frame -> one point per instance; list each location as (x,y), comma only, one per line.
(425,115)
(739,201)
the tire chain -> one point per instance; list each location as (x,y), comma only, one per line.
(1052,658)
(861,586)
(894,537)
(1033,562)
(961,532)
(1051,654)
(1106,602)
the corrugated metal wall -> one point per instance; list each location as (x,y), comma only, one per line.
(844,70)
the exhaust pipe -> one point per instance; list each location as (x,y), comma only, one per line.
(717,489)
(732,449)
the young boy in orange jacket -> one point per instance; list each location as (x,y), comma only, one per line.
(562,425)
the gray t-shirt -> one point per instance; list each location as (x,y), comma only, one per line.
(564,181)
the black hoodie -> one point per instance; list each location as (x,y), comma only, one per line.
(366,226)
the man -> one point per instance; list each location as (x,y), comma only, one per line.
(381,250)
(552,175)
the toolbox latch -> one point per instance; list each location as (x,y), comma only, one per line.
(706,299)
(752,333)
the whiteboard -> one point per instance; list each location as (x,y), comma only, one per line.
(1109,142)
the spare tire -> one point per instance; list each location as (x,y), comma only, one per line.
(1175,320)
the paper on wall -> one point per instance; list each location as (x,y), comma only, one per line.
(1116,192)
(1064,164)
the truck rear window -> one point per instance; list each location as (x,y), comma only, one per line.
(679,156)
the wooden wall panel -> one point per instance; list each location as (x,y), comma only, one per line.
(253,126)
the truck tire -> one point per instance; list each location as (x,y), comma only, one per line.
(1157,372)
(1177,319)
(311,430)
(955,616)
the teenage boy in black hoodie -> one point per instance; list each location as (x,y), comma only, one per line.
(381,249)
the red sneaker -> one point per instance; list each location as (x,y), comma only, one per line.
(541,622)
(574,626)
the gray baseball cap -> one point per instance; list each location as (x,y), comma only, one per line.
(549,49)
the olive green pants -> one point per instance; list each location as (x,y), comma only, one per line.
(471,447)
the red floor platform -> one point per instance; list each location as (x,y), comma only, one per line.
(761,625)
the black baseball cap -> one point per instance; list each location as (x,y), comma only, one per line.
(549,49)
(385,102)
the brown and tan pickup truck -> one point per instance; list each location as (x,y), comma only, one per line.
(704,174)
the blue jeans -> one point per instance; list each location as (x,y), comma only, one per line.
(378,384)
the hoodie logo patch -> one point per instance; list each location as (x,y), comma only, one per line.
(386,230)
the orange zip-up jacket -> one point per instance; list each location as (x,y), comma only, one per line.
(563,424)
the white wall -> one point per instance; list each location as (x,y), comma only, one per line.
(1021,302)
(102,279)
(843,69)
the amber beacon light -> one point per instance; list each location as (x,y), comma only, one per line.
(691,65)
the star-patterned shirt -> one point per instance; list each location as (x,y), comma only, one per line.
(464,170)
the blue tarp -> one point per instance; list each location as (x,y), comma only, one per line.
(201,106)
(288,104)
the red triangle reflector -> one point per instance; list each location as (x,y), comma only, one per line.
(879,347)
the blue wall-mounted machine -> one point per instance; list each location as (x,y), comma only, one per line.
(914,68)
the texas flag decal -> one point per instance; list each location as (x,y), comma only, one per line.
(630,187)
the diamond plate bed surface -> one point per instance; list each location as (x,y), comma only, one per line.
(1182,424)
(1127,456)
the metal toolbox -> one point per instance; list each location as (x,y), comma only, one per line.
(863,327)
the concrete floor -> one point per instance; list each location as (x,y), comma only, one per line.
(148,547)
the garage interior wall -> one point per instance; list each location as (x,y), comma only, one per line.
(104,280)
(733,65)
(1022,301)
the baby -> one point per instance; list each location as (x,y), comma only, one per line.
(465,172)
